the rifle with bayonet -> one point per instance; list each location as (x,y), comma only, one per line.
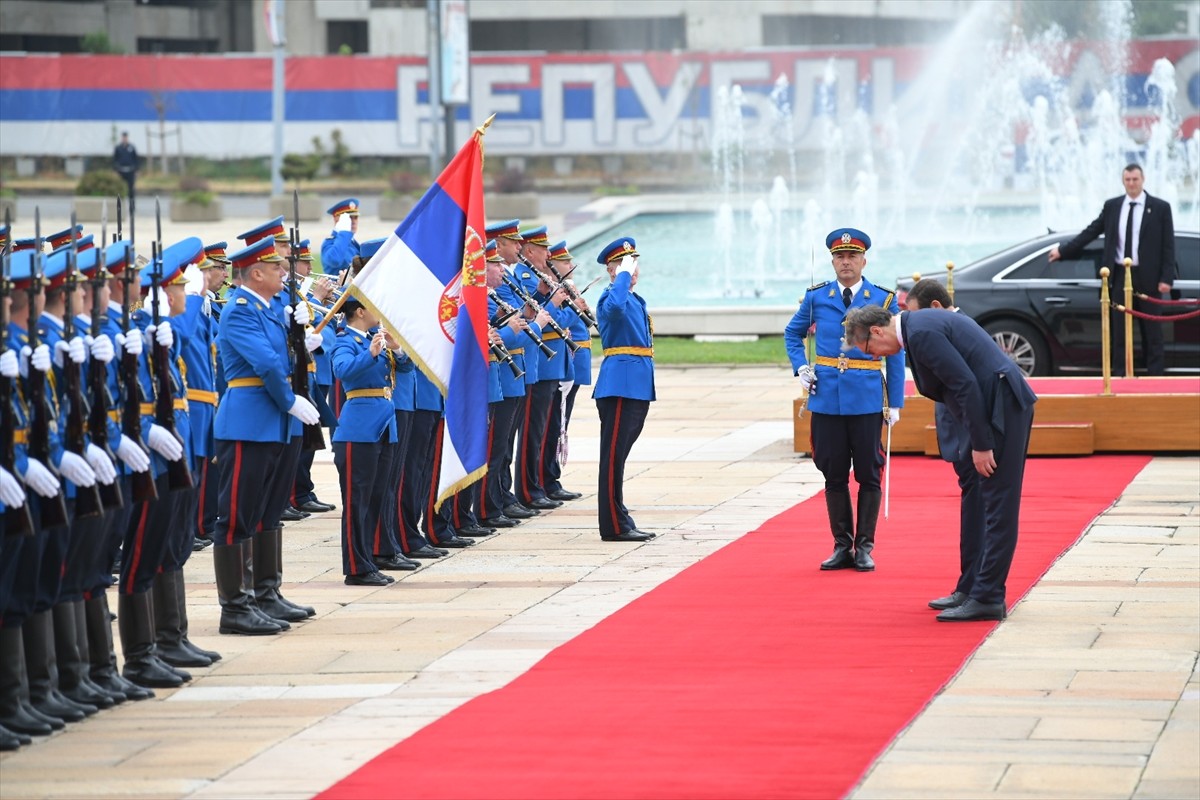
(98,371)
(143,488)
(179,472)
(87,498)
(18,521)
(53,509)
(301,358)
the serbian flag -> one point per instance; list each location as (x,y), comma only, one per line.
(427,285)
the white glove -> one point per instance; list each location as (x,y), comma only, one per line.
(11,492)
(40,479)
(163,443)
(9,367)
(101,464)
(38,357)
(627,265)
(312,341)
(300,313)
(75,469)
(343,223)
(808,377)
(75,349)
(130,343)
(102,348)
(134,456)
(893,416)
(164,335)
(304,411)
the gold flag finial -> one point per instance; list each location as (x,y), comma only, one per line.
(482,129)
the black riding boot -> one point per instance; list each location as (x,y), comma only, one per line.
(73,665)
(14,714)
(841,524)
(135,622)
(239,614)
(42,664)
(103,655)
(268,577)
(168,625)
(864,537)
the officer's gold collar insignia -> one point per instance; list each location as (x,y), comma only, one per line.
(241,301)
(358,339)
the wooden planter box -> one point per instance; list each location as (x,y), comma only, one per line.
(310,209)
(393,210)
(183,211)
(522,205)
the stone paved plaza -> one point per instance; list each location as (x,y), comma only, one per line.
(1089,689)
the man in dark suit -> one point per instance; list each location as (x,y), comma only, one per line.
(1139,227)
(955,362)
(954,446)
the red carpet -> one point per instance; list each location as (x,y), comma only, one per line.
(751,674)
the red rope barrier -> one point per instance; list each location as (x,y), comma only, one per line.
(1186,301)
(1133,312)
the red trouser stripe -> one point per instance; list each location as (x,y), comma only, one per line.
(138,539)
(203,491)
(541,460)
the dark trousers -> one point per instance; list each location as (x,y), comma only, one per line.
(502,420)
(387,530)
(435,518)
(418,464)
(621,422)
(246,468)
(302,487)
(517,407)
(208,481)
(1002,503)
(361,482)
(970,522)
(549,470)
(1151,332)
(148,538)
(10,562)
(111,538)
(280,482)
(181,532)
(84,549)
(527,471)
(841,440)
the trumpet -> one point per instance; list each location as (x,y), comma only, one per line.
(506,313)
(537,307)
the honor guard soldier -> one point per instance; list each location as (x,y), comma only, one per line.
(304,498)
(577,331)
(252,429)
(625,386)
(158,538)
(273,230)
(214,268)
(365,364)
(340,248)
(848,390)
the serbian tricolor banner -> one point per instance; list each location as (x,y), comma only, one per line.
(427,285)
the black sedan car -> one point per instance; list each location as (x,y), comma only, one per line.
(1047,316)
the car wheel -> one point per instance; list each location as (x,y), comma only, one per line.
(1022,343)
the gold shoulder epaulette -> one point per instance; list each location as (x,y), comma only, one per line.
(241,301)
(818,286)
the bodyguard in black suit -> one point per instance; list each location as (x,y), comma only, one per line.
(1139,227)
(955,362)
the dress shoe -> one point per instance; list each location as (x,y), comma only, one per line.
(395,562)
(972,610)
(455,542)
(199,543)
(863,561)
(841,559)
(563,495)
(647,534)
(952,600)
(316,507)
(368,579)
(544,503)
(500,521)
(425,551)
(292,514)
(518,511)
(475,531)
(628,536)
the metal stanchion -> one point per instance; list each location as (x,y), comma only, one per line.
(1129,318)
(950,280)
(1105,325)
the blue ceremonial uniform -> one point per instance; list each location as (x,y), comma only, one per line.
(624,323)
(337,251)
(252,342)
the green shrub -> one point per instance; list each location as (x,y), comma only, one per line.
(403,183)
(513,181)
(101,183)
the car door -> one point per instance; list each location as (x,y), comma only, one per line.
(1066,297)
(1181,339)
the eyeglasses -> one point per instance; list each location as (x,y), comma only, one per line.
(866,345)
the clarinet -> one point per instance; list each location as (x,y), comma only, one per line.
(537,307)
(507,311)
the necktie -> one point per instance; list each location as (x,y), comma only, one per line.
(1129,231)
(847,296)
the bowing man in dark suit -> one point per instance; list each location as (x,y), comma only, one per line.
(1136,226)
(955,362)
(954,445)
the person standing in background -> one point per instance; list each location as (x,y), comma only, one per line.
(125,162)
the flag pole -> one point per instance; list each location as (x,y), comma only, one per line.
(479,133)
